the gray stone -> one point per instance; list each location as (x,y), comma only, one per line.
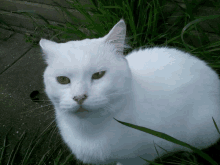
(5,34)
(12,50)
(16,84)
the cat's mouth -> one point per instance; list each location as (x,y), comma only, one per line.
(81,109)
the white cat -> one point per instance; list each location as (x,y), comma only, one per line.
(90,81)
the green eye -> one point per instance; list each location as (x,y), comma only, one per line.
(63,80)
(98,75)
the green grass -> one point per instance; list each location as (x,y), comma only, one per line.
(147,24)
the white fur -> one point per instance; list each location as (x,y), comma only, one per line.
(163,89)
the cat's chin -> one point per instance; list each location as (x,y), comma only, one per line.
(82,112)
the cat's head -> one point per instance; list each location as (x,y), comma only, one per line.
(92,73)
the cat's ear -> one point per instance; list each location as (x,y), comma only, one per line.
(116,36)
(48,47)
(47,44)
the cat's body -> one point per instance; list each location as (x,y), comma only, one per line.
(163,89)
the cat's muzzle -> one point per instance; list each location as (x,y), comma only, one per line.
(81,109)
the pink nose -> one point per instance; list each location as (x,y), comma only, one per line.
(80,99)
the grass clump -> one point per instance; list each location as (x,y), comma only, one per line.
(148,23)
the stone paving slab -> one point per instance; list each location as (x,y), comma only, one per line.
(11,50)
(16,84)
(5,34)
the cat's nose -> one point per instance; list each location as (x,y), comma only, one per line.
(80,99)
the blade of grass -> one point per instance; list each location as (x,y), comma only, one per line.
(68,158)
(31,12)
(75,30)
(131,18)
(73,18)
(15,150)
(79,8)
(173,155)
(155,18)
(214,66)
(216,125)
(157,152)
(35,141)
(42,160)
(196,21)
(171,40)
(214,44)
(57,159)
(28,150)
(53,150)
(149,23)
(171,139)
(4,146)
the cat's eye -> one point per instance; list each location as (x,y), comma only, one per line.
(63,80)
(98,75)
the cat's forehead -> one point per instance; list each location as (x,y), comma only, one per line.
(84,55)
(86,43)
(88,50)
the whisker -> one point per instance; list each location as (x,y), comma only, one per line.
(36,108)
(122,92)
(43,100)
(108,107)
(98,99)
(52,122)
(55,130)
(44,112)
(37,100)
(48,111)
